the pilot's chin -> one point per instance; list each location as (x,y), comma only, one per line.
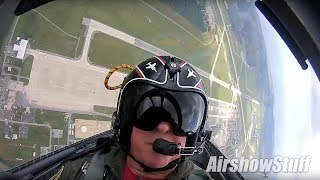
(159,161)
(157,165)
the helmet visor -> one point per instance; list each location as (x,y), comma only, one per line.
(146,106)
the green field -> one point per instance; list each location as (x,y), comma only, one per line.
(16,151)
(252,82)
(249,109)
(9,153)
(130,17)
(25,81)
(89,117)
(109,52)
(104,109)
(43,35)
(1,131)
(221,69)
(13,61)
(26,67)
(37,135)
(219,92)
(248,82)
(23,148)
(176,17)
(55,119)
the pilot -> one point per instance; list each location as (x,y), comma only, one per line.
(161,102)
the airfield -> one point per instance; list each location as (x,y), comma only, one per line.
(71,60)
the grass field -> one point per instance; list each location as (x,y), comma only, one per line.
(252,81)
(104,109)
(14,78)
(129,16)
(13,155)
(13,61)
(247,82)
(109,52)
(26,67)
(252,128)
(43,35)
(55,119)
(219,92)
(247,109)
(16,151)
(1,130)
(221,69)
(25,81)
(89,117)
(134,18)
(38,136)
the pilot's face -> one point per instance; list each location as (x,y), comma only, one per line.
(141,145)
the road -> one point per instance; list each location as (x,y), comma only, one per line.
(15,21)
(83,62)
(72,112)
(69,120)
(34,124)
(93,26)
(237,78)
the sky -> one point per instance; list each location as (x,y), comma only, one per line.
(296,101)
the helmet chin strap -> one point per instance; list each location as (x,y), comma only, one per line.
(146,168)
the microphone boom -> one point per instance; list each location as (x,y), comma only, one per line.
(169,148)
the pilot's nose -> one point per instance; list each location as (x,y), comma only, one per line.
(163,127)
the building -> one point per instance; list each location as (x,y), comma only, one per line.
(27,117)
(7,115)
(57,133)
(7,130)
(23,132)
(44,150)
(20,48)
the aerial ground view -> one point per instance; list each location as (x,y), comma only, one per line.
(54,60)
